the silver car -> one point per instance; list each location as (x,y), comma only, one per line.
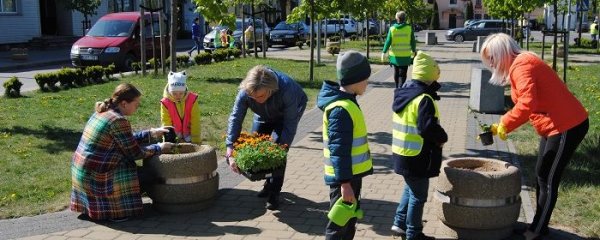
(237,34)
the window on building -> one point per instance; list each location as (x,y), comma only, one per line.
(452,1)
(120,5)
(8,6)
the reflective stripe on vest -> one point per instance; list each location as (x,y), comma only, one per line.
(406,139)
(400,46)
(182,126)
(594,29)
(361,156)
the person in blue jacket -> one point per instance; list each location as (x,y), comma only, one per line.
(278,103)
(197,34)
(346,149)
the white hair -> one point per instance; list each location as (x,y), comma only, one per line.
(498,53)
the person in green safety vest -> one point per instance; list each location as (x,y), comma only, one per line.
(417,143)
(346,150)
(401,44)
(594,30)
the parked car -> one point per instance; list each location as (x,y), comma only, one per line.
(480,28)
(373,27)
(288,34)
(342,26)
(237,33)
(114,38)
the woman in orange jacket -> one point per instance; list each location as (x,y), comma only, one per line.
(543,99)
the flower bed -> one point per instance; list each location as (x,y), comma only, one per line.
(258,157)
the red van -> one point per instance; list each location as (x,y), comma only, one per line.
(114,38)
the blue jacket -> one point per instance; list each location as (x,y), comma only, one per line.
(427,163)
(196,32)
(286,106)
(340,133)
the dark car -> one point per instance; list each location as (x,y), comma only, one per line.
(288,34)
(480,28)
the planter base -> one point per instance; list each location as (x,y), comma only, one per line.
(256,176)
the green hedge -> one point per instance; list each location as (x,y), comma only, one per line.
(203,58)
(12,87)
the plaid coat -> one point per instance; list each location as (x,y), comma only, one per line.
(103,170)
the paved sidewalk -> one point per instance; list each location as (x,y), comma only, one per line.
(238,214)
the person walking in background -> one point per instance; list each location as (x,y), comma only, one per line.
(249,35)
(417,143)
(278,103)
(105,179)
(196,37)
(542,98)
(401,44)
(179,108)
(347,155)
(594,31)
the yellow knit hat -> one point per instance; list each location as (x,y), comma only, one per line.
(425,68)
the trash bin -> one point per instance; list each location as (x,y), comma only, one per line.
(478,198)
(485,97)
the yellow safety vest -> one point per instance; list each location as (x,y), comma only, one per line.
(593,29)
(400,46)
(407,141)
(361,155)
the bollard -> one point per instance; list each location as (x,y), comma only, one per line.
(478,198)
(485,97)
(480,40)
(430,39)
(187,179)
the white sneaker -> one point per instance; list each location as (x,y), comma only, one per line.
(398,231)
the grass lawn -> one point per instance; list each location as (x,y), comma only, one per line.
(578,205)
(40,132)
(537,48)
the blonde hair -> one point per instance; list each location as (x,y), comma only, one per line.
(123,92)
(498,53)
(260,77)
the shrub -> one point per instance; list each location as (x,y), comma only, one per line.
(333,50)
(109,70)
(236,53)
(66,77)
(299,44)
(152,62)
(80,77)
(12,87)
(203,58)
(334,39)
(353,37)
(219,55)
(257,152)
(182,60)
(135,66)
(94,73)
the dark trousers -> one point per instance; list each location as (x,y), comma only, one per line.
(554,154)
(197,45)
(334,231)
(400,75)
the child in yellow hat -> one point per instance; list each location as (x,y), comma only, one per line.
(417,143)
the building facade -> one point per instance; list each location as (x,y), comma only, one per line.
(453,12)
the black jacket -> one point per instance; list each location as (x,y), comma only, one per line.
(427,162)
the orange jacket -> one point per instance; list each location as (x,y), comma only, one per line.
(540,96)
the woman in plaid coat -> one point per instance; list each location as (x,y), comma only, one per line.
(104,176)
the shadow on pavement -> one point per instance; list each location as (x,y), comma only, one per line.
(218,220)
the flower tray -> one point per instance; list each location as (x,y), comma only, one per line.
(260,175)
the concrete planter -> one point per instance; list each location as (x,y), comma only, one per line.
(478,198)
(187,180)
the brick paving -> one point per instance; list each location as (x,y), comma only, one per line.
(238,214)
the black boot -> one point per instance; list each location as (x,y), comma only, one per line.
(264,192)
(273,201)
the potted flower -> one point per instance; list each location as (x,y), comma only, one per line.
(258,157)
(486,136)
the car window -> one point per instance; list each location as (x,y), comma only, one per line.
(285,26)
(111,28)
(480,25)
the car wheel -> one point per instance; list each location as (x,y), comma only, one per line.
(127,62)
(459,38)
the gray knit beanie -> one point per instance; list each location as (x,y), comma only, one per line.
(352,67)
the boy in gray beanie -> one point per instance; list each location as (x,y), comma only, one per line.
(347,155)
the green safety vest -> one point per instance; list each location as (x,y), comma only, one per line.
(594,29)
(407,141)
(361,156)
(400,46)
